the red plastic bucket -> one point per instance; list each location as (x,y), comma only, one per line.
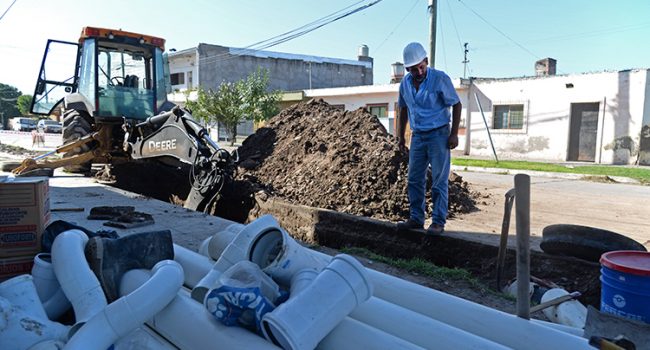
(625,288)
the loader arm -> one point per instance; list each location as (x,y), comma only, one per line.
(175,134)
(40,162)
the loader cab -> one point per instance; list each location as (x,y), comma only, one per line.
(116,74)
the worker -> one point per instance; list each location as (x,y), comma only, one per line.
(425,95)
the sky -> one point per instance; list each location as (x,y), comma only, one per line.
(505,37)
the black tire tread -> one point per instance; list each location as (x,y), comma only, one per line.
(584,242)
(76,126)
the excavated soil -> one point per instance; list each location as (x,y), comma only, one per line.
(317,155)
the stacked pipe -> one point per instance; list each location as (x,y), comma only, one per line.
(397,311)
(64,279)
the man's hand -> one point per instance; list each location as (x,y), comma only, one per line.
(452,142)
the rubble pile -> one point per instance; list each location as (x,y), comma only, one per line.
(317,155)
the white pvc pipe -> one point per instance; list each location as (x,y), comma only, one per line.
(21,293)
(44,277)
(480,320)
(130,312)
(194,265)
(220,241)
(48,345)
(305,319)
(417,328)
(57,305)
(48,288)
(400,292)
(352,334)
(188,325)
(78,282)
(400,323)
(266,244)
(571,312)
(560,327)
(21,330)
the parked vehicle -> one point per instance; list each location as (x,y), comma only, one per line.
(47,125)
(22,124)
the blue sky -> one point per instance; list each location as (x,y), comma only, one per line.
(582,35)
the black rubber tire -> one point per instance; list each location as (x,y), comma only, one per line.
(76,124)
(584,242)
(9,166)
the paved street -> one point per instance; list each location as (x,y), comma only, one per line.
(621,208)
(24,139)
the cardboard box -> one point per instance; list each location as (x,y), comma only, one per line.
(14,266)
(24,214)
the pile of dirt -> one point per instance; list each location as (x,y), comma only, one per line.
(317,155)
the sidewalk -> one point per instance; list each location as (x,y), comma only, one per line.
(568,176)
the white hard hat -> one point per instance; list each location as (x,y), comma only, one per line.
(414,53)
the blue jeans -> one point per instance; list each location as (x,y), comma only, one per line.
(429,148)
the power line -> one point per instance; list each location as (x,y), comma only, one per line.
(593,33)
(453,21)
(499,30)
(397,26)
(290,35)
(442,39)
(7,10)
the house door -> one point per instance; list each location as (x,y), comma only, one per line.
(582,131)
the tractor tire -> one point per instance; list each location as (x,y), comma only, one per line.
(587,243)
(76,124)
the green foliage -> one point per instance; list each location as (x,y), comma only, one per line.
(23,104)
(234,102)
(8,97)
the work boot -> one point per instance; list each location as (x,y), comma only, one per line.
(409,224)
(435,230)
(110,258)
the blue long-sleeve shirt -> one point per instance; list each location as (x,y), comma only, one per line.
(428,107)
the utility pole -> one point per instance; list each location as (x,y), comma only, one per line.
(465,61)
(433,13)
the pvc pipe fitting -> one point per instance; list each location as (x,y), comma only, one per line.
(48,288)
(78,282)
(44,277)
(266,244)
(571,312)
(203,332)
(220,241)
(129,312)
(306,318)
(21,293)
(20,330)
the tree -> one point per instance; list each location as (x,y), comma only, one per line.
(8,97)
(24,103)
(234,102)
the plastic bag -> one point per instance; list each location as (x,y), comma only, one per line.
(242,296)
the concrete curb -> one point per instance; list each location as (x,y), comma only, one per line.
(568,176)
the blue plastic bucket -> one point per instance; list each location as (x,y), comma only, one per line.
(625,288)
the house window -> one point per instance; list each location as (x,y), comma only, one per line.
(508,117)
(189,80)
(177,78)
(381,112)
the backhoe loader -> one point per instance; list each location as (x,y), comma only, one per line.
(115,110)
